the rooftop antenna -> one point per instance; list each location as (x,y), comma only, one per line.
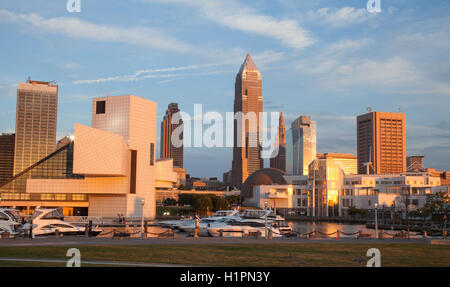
(400,108)
(368,109)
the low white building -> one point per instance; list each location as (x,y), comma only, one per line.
(293,194)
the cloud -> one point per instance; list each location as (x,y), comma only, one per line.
(79,29)
(339,17)
(237,16)
(347,45)
(262,58)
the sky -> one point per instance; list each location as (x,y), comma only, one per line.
(327,59)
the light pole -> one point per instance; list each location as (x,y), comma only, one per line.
(376,220)
(265,220)
(142,218)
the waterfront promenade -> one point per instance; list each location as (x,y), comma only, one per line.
(79,240)
(245,252)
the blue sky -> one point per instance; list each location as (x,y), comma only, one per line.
(327,59)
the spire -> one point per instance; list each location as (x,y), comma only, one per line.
(248,64)
(281,118)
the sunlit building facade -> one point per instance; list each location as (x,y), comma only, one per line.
(109,167)
(387,191)
(381,141)
(57,165)
(36,114)
(346,161)
(326,178)
(303,144)
(247,141)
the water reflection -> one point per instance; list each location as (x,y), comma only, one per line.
(328,227)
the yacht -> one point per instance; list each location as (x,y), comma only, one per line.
(189,227)
(46,221)
(10,220)
(242,228)
(251,220)
(175,223)
(181,224)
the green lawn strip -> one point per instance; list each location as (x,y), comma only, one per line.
(318,254)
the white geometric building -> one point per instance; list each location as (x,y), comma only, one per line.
(116,158)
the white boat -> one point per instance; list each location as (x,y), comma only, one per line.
(10,220)
(252,221)
(189,227)
(243,228)
(47,221)
(187,222)
(205,223)
(175,223)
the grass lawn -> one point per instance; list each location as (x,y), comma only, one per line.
(317,254)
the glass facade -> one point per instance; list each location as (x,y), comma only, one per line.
(57,165)
(6,157)
(37,104)
(303,144)
(289,152)
(327,177)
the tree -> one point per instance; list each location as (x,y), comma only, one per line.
(234,199)
(187,199)
(203,203)
(353,211)
(221,203)
(169,201)
(436,204)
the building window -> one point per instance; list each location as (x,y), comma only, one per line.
(100,107)
(133,172)
(152,154)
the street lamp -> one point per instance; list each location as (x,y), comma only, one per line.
(142,218)
(265,220)
(376,220)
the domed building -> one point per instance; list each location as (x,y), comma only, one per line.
(277,189)
(265,176)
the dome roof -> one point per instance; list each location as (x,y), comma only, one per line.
(265,176)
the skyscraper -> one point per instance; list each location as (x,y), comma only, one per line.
(37,104)
(289,153)
(6,157)
(381,140)
(248,101)
(303,144)
(168,150)
(279,160)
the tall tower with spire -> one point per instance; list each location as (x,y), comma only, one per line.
(278,160)
(248,101)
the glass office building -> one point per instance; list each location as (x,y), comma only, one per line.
(303,144)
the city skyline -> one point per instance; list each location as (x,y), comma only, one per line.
(296,72)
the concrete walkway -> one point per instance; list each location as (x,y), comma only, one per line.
(77,241)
